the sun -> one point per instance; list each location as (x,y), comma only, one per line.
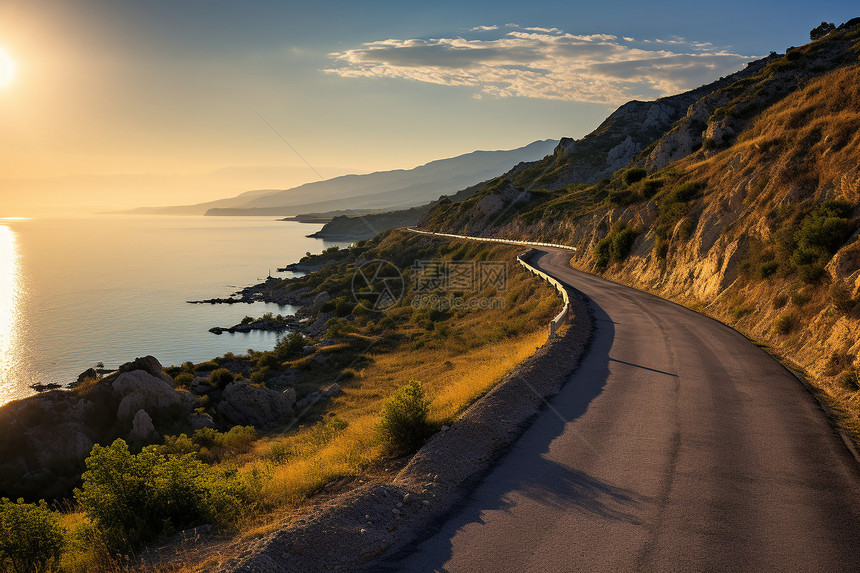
(7,68)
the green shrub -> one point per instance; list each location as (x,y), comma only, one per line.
(809,262)
(622,243)
(269,360)
(207,366)
(133,499)
(767,268)
(183,378)
(31,538)
(632,175)
(403,426)
(800,298)
(289,346)
(821,234)
(685,192)
(780,301)
(620,197)
(603,252)
(221,377)
(259,376)
(650,187)
(785,323)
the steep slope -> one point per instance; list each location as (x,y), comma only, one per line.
(397,189)
(758,227)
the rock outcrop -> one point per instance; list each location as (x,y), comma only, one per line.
(244,404)
(44,439)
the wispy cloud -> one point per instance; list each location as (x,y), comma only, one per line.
(545,63)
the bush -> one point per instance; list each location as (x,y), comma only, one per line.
(183,378)
(821,234)
(31,538)
(622,243)
(207,366)
(221,377)
(632,175)
(269,360)
(289,346)
(785,323)
(603,252)
(650,187)
(685,192)
(767,268)
(133,499)
(403,426)
(821,30)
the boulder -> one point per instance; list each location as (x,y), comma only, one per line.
(201,385)
(148,364)
(845,263)
(198,421)
(308,401)
(245,404)
(141,390)
(142,428)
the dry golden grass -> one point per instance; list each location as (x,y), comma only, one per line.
(299,464)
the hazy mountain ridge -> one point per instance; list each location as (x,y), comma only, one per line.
(747,209)
(384,190)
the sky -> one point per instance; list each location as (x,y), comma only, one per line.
(108,104)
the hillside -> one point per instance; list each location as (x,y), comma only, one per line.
(747,209)
(384,190)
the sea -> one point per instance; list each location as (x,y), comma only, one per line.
(79,291)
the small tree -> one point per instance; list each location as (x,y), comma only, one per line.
(821,30)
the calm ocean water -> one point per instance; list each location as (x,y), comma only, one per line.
(74,292)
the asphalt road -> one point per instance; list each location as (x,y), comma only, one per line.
(676,446)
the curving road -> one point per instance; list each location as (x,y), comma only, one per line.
(677,445)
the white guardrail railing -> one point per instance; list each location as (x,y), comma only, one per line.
(565,312)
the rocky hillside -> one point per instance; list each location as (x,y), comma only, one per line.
(47,437)
(747,208)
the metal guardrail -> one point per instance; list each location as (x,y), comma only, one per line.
(505,241)
(565,312)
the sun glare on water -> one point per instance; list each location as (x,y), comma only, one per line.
(9,301)
(7,68)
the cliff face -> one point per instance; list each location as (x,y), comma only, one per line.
(748,210)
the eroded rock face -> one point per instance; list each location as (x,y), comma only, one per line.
(244,404)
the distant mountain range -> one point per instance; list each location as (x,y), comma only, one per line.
(384,190)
